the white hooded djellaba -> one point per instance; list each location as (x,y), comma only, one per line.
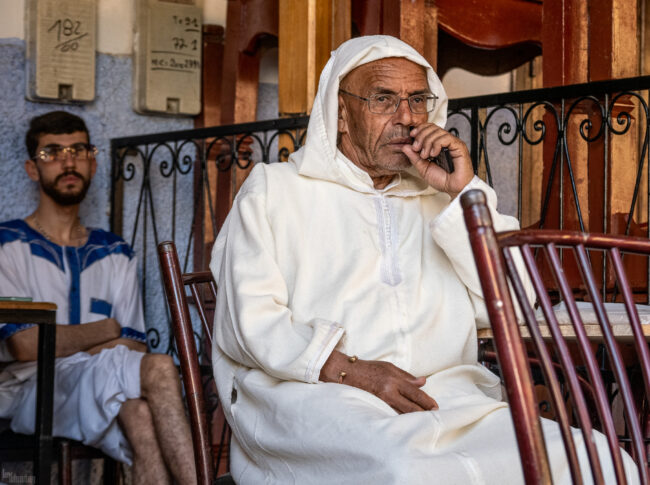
(313,258)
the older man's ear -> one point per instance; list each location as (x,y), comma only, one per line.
(342,126)
(342,117)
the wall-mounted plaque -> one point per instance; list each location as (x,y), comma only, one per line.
(167,58)
(61,40)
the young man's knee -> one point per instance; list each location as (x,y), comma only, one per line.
(135,411)
(158,369)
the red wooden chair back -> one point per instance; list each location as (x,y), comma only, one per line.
(203,292)
(570,366)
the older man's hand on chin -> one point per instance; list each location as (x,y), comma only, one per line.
(428,141)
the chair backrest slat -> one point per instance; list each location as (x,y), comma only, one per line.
(577,362)
(199,298)
(546,363)
(641,348)
(564,355)
(593,371)
(616,361)
(175,283)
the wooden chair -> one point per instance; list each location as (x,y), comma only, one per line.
(39,447)
(203,289)
(17,447)
(577,375)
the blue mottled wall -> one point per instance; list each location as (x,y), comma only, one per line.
(109,116)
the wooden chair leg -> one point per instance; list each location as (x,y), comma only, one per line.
(65,463)
(111,471)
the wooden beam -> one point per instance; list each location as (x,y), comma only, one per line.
(248,21)
(565,60)
(430,48)
(296,56)
(614,53)
(311,29)
(213,38)
(565,42)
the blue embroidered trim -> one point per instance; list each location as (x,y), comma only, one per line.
(75,295)
(101,244)
(9,329)
(9,232)
(18,229)
(101,307)
(128,332)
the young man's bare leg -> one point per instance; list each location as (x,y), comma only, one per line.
(137,423)
(161,388)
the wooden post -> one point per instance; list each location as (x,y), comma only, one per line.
(590,41)
(310,29)
(565,60)
(248,21)
(614,53)
(213,37)
(405,19)
(528,77)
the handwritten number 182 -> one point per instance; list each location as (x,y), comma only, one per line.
(66,27)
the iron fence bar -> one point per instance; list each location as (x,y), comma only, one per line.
(605,191)
(520,161)
(596,88)
(474,138)
(213,132)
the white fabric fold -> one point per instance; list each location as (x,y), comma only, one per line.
(256,326)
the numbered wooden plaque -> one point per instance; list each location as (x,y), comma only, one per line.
(168,58)
(61,42)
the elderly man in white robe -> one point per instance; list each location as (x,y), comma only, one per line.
(345,332)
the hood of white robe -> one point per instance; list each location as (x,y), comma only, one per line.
(319,158)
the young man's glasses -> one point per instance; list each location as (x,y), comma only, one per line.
(57,153)
(387,104)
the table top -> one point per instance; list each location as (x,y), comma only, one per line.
(616,312)
(40,312)
(44,314)
(27,305)
(622,331)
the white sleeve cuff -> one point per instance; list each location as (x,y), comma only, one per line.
(326,337)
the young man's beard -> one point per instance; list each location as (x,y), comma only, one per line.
(65,198)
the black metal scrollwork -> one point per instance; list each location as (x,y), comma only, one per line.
(590,113)
(187,153)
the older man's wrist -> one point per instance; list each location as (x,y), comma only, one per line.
(337,367)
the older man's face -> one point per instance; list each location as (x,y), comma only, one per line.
(374,141)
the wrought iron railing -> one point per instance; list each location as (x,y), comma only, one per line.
(554,156)
(163,189)
(567,122)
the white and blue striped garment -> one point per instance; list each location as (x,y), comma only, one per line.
(88,283)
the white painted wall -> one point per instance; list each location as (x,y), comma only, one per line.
(460,83)
(12,24)
(115,21)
